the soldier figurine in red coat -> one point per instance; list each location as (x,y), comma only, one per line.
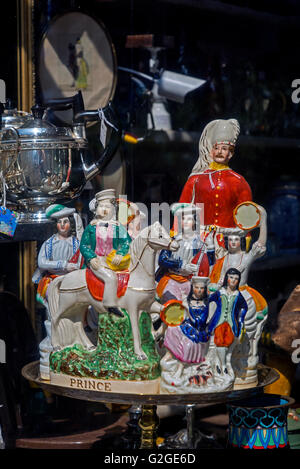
(212,182)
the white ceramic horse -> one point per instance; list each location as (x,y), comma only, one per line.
(69,296)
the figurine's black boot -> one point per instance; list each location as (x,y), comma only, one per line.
(115,310)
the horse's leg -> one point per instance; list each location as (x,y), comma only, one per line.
(67,322)
(57,338)
(79,333)
(134,315)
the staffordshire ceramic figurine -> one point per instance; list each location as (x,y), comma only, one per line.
(211,318)
(182,366)
(227,322)
(236,312)
(207,338)
(212,182)
(58,255)
(103,237)
(125,355)
(192,257)
(238,257)
(130,216)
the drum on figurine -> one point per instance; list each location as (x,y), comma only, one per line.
(246,216)
(173,313)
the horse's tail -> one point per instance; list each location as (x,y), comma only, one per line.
(53,296)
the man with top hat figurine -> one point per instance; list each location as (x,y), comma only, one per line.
(192,258)
(105,245)
(58,255)
(212,182)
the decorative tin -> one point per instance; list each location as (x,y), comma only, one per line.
(259,422)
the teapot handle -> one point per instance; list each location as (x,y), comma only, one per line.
(108,114)
(63,104)
(80,116)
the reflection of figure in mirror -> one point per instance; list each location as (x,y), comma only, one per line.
(78,65)
(51,183)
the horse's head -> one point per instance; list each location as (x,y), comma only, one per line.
(159,238)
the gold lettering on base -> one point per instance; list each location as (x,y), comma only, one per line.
(90,384)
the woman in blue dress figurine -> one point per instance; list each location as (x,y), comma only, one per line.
(188,343)
(194,327)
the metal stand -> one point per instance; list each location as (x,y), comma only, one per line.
(148,423)
(131,439)
(190,437)
(146,405)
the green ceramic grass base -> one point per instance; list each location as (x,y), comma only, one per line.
(114,357)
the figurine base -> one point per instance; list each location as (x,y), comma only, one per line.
(121,386)
(115,386)
(31,372)
(253,384)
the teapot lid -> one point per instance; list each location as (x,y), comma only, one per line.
(38,128)
(12,117)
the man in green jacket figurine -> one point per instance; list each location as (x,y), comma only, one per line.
(104,246)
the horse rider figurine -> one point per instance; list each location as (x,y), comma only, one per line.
(105,245)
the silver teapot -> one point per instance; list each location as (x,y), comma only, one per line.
(11,117)
(41,163)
